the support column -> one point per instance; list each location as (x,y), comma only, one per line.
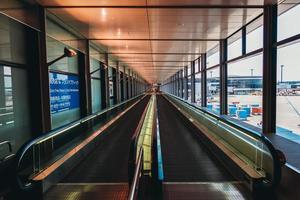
(269,68)
(223,77)
(118,84)
(39,78)
(203,80)
(125,83)
(85,82)
(106,81)
(244,43)
(177,84)
(129,84)
(181,83)
(193,82)
(185,82)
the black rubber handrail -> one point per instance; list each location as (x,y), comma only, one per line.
(138,163)
(274,152)
(8,143)
(59,131)
(133,191)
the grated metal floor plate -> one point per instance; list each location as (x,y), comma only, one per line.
(86,191)
(205,190)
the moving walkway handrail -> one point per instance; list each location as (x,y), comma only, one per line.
(277,163)
(138,170)
(59,131)
(133,191)
(8,143)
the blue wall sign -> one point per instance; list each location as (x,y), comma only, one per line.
(64,92)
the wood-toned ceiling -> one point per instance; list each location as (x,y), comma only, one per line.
(156,37)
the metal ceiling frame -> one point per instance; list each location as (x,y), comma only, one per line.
(155,39)
(156,53)
(160,6)
(162,39)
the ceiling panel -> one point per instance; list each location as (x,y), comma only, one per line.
(184,47)
(152,2)
(155,42)
(125,46)
(209,2)
(92,2)
(198,23)
(106,23)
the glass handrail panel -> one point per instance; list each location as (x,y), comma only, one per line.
(41,152)
(249,147)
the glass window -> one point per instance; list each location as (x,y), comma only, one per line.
(198,89)
(95,70)
(235,46)
(12,41)
(213,57)
(54,50)
(197,65)
(65,35)
(64,85)
(189,89)
(245,90)
(213,89)
(288,90)
(254,39)
(287,23)
(96,95)
(111,86)
(14,107)
(189,70)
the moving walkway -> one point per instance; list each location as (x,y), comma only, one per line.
(158,147)
(93,164)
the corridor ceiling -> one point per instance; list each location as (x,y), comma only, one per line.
(156,38)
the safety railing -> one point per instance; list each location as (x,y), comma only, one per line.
(251,146)
(35,155)
(134,187)
(9,146)
(139,139)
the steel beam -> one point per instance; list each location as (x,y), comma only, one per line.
(269,69)
(193,82)
(223,78)
(203,81)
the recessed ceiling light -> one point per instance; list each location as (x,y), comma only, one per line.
(103,12)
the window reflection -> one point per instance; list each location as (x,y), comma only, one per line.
(213,89)
(288,89)
(245,90)
(6,107)
(14,107)
(198,89)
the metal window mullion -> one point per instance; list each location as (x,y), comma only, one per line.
(185,83)
(106,81)
(203,81)
(269,68)
(193,81)
(223,77)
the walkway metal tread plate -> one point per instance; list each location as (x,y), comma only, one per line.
(185,158)
(207,191)
(88,192)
